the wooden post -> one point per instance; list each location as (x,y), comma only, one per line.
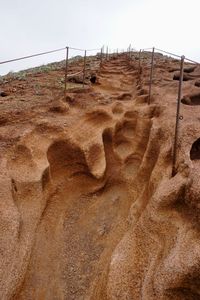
(66,68)
(84,68)
(151,75)
(177,116)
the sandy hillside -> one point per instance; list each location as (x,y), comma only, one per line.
(88,207)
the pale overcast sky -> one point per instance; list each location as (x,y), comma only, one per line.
(32,26)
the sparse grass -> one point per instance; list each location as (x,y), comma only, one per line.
(13,76)
(72,85)
(38,89)
(55,66)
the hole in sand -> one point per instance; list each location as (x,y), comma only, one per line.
(189,69)
(128,129)
(124,149)
(14,185)
(195,150)
(93,79)
(65,159)
(45,178)
(197,83)
(131,114)
(97,116)
(124,96)
(3,120)
(191,99)
(132,165)
(142,92)
(3,94)
(186,77)
(117,108)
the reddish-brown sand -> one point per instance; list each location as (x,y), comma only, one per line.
(88,207)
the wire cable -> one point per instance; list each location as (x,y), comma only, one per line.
(166,52)
(146,49)
(29,56)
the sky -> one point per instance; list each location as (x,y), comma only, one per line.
(33,26)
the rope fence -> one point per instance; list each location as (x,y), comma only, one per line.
(67,49)
(182,59)
(107,55)
(30,56)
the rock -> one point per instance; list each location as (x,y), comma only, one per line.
(93,79)
(69,99)
(59,107)
(186,77)
(189,69)
(186,100)
(76,79)
(3,94)
(197,83)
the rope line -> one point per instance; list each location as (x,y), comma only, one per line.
(78,49)
(29,56)
(188,59)
(94,49)
(43,53)
(146,49)
(176,55)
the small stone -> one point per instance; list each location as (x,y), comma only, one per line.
(3,94)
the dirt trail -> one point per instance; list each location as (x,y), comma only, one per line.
(89,209)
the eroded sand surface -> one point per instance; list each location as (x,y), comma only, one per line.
(88,207)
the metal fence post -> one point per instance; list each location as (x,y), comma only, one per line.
(107,53)
(66,68)
(151,75)
(103,52)
(130,51)
(177,116)
(101,56)
(84,68)
(140,61)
